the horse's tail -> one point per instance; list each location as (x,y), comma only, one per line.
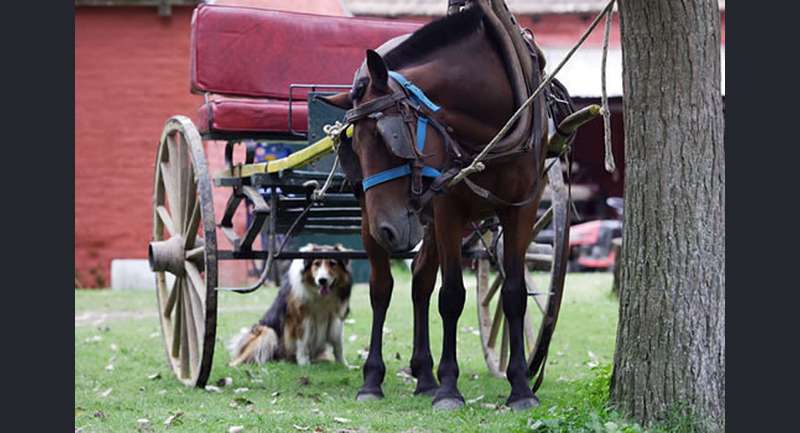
(258,345)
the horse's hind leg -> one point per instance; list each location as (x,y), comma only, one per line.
(451,304)
(517,225)
(380,293)
(426,263)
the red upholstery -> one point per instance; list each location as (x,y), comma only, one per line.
(257,53)
(225,114)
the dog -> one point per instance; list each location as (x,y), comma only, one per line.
(307,315)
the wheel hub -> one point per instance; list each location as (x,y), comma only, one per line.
(167,256)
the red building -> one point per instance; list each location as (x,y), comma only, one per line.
(131,74)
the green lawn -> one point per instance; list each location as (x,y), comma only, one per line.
(120,330)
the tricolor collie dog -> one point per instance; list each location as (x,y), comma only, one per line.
(305,317)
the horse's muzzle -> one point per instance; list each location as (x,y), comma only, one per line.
(398,235)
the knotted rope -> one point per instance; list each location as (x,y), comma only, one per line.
(477,165)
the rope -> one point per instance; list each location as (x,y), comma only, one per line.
(476,165)
(609,156)
(333,131)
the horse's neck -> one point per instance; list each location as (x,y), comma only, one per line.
(468,80)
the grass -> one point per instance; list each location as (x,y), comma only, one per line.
(119,329)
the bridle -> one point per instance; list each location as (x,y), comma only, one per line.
(413,114)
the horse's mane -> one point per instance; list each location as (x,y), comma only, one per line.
(434,36)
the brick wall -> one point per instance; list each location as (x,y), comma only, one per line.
(131,74)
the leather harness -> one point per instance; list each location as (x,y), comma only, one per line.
(413,113)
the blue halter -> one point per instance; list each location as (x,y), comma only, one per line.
(422,126)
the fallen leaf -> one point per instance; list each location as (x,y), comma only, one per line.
(143,425)
(154,334)
(225,381)
(535,425)
(273,401)
(350,321)
(341,420)
(235,429)
(475,400)
(212,388)
(154,376)
(475,376)
(240,390)
(275,394)
(162,392)
(93,339)
(110,367)
(352,338)
(106,393)
(242,401)
(114,347)
(174,418)
(299,427)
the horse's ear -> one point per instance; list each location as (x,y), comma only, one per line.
(341,100)
(378,72)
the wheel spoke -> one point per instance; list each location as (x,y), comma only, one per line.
(542,222)
(163,214)
(197,283)
(504,346)
(187,181)
(184,350)
(177,322)
(190,320)
(191,226)
(498,281)
(173,296)
(498,315)
(173,194)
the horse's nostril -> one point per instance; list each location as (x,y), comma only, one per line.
(388,233)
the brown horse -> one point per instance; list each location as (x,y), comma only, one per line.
(453,62)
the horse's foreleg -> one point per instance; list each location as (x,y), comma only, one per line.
(380,292)
(516,237)
(426,263)
(451,304)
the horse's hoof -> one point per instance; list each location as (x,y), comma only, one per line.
(368,396)
(523,404)
(448,404)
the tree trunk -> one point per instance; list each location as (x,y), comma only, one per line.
(670,355)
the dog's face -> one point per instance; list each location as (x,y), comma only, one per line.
(326,273)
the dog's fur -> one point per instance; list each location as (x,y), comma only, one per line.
(306,316)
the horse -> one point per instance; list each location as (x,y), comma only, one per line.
(446,86)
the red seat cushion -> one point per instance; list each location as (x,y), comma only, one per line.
(230,115)
(251,52)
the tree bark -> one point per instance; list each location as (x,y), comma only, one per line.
(670,354)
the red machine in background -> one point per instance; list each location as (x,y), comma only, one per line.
(592,243)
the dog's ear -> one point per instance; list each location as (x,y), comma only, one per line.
(342,261)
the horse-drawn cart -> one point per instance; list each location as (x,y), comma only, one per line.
(261,73)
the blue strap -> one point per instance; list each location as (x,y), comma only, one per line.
(395,173)
(422,126)
(419,95)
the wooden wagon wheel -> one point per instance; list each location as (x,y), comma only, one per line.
(544,288)
(185,245)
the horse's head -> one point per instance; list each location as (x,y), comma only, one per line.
(383,140)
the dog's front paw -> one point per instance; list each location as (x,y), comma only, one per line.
(303,360)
